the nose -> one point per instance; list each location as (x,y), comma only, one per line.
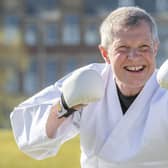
(133,53)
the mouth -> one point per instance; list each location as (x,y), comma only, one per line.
(139,68)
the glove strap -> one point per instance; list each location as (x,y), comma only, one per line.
(64,110)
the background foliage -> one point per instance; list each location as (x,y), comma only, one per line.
(12,157)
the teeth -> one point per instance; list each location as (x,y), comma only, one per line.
(133,68)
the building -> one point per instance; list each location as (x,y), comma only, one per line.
(61,35)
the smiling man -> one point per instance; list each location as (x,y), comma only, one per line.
(132,49)
(118,107)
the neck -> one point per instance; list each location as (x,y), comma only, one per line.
(128,90)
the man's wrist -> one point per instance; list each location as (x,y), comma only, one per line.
(62,112)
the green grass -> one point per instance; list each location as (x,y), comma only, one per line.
(12,157)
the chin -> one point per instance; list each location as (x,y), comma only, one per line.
(134,84)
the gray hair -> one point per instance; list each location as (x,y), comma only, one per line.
(125,16)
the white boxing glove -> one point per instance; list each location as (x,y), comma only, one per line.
(162,75)
(81,88)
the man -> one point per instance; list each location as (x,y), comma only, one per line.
(123,126)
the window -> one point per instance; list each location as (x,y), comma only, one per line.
(91,58)
(149,5)
(51,71)
(33,7)
(31,80)
(31,34)
(12,84)
(51,35)
(71,30)
(91,35)
(70,64)
(161,5)
(126,2)
(92,7)
(50,4)
(11,29)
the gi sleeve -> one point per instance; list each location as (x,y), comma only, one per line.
(28,122)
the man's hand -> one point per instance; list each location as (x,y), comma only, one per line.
(162,75)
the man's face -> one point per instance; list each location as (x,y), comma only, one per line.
(132,57)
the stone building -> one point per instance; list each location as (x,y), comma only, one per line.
(61,35)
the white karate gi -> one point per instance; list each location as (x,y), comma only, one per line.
(109,139)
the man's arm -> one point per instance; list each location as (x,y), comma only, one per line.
(83,87)
(40,127)
(53,122)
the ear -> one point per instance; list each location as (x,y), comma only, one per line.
(156,47)
(104,54)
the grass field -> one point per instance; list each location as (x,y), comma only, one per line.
(11,157)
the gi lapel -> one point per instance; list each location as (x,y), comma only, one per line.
(124,139)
